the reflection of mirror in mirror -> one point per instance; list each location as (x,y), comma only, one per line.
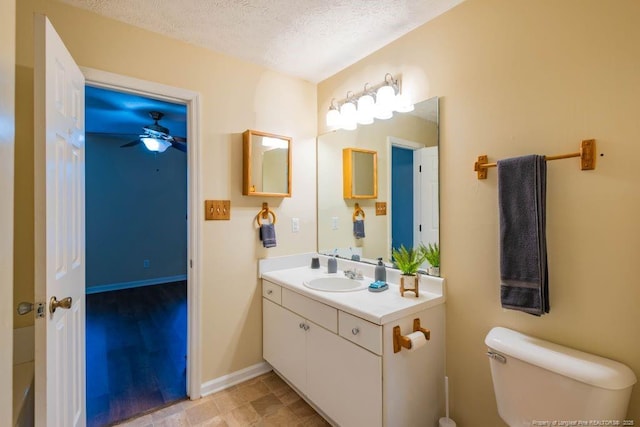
(407,169)
(266,164)
(360,173)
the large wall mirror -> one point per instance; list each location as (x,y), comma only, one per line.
(407,181)
(266,164)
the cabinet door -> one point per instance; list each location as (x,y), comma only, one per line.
(343,379)
(283,343)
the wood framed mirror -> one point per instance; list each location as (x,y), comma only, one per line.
(266,164)
(359,173)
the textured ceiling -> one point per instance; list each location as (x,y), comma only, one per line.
(310,39)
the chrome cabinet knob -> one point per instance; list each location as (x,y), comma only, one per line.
(301,325)
(355,331)
(270,291)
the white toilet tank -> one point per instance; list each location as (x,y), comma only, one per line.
(537,382)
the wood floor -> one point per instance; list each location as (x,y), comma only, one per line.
(264,401)
(136,351)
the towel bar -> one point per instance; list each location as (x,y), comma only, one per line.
(586,154)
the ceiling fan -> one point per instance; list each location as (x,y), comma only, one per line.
(157,137)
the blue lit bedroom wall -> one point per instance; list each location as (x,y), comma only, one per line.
(136,209)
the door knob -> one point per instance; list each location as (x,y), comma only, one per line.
(63,303)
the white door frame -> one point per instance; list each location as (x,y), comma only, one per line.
(106,80)
(7,150)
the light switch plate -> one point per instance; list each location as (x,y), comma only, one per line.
(217,210)
(295,225)
(381,208)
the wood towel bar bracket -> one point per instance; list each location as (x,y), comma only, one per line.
(587,156)
(264,214)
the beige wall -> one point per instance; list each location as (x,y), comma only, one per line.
(7,127)
(519,77)
(235,96)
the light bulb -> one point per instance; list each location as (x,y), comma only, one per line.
(157,145)
(333,117)
(366,106)
(403,103)
(385,98)
(349,115)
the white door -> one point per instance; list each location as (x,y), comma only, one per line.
(59,231)
(429,199)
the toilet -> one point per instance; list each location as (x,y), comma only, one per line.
(537,382)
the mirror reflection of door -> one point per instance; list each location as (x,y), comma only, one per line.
(414,216)
(402,206)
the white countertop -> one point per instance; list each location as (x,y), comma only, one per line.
(377,307)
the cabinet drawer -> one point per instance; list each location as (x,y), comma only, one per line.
(315,311)
(272,291)
(360,331)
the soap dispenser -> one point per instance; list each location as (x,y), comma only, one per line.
(381,272)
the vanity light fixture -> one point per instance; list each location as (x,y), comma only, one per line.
(155,144)
(349,113)
(376,102)
(366,107)
(333,116)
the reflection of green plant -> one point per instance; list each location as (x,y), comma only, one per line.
(431,253)
(408,260)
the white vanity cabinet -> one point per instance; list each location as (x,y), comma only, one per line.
(345,365)
(342,379)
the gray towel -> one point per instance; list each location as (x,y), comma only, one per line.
(358,228)
(268,235)
(522,189)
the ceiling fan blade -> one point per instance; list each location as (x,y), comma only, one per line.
(131,144)
(179,138)
(179,146)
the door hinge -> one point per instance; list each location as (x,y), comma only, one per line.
(420,227)
(420,168)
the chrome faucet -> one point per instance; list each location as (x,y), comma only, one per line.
(353,274)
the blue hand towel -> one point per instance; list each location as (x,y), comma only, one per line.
(358,228)
(268,235)
(523,248)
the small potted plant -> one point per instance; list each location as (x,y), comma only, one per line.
(432,255)
(408,262)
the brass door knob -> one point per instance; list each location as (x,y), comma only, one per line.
(63,303)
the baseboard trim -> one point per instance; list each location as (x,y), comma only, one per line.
(135,284)
(234,378)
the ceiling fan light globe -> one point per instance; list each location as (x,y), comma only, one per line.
(156,145)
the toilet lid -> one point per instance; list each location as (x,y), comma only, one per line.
(578,365)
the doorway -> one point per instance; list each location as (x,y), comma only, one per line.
(103,79)
(136,254)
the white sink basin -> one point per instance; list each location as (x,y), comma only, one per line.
(336,284)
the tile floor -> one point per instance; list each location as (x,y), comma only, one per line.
(260,402)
